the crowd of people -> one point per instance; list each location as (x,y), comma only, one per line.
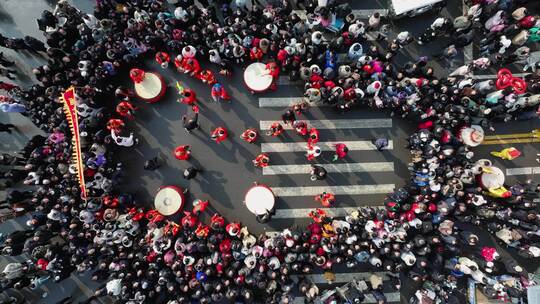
(425,232)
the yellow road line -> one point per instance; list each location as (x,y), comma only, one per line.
(516,135)
(511,141)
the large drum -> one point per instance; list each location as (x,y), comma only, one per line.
(259,199)
(492,177)
(149,86)
(472,136)
(169,200)
(257,77)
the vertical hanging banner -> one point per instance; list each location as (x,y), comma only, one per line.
(70,103)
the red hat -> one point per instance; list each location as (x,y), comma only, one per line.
(42,264)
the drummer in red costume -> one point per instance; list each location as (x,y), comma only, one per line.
(262,160)
(182,152)
(275,129)
(126,109)
(255,54)
(191,66)
(273,70)
(326,199)
(163,59)
(219,134)
(249,135)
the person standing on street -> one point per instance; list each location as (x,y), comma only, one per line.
(318,172)
(380,143)
(191,123)
(191,172)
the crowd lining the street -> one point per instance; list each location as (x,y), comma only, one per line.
(424,232)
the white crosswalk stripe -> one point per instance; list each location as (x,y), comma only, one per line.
(523,171)
(337,124)
(337,190)
(330,168)
(304,212)
(357,145)
(359,13)
(390,297)
(493,76)
(343,278)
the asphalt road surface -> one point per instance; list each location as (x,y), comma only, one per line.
(362,179)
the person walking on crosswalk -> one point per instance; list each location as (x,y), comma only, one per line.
(318,172)
(275,129)
(326,199)
(380,143)
(262,160)
(341,151)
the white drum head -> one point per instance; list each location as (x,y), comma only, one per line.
(150,87)
(259,199)
(493,178)
(257,77)
(168,200)
(472,136)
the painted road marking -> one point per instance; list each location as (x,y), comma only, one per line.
(468,49)
(359,145)
(330,168)
(337,124)
(330,212)
(392,297)
(337,190)
(511,141)
(270,102)
(515,135)
(482,77)
(523,171)
(359,13)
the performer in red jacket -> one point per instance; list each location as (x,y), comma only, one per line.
(219,134)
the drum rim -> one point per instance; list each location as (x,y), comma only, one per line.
(178,190)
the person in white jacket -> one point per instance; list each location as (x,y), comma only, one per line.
(124,141)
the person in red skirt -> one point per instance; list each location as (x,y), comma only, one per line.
(219,134)
(182,152)
(300,127)
(275,129)
(188,97)
(326,199)
(313,136)
(206,76)
(163,59)
(262,160)
(218,93)
(249,135)
(341,151)
(115,125)
(126,109)
(273,70)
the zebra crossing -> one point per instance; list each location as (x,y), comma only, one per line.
(353,166)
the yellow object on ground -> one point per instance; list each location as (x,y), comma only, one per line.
(508,153)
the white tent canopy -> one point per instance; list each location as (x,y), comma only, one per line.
(403,6)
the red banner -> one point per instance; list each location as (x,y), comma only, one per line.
(70,108)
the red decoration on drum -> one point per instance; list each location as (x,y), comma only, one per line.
(506,79)
(137,75)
